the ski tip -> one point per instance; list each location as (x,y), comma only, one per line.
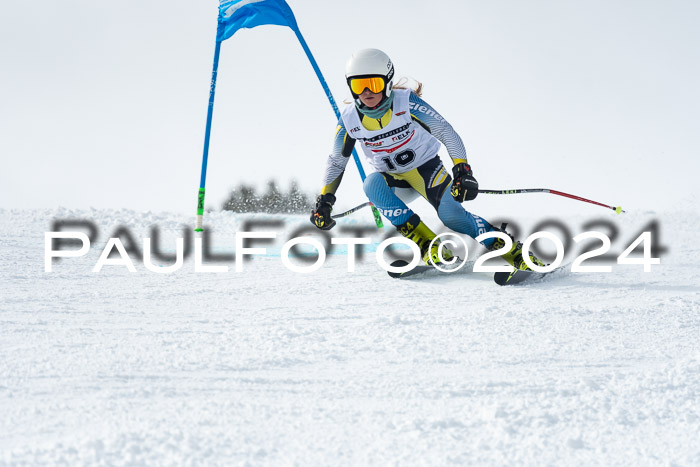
(516,276)
(397,264)
(503,278)
(619,209)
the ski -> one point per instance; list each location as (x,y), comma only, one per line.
(418,270)
(518,276)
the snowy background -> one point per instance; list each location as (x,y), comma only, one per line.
(102,119)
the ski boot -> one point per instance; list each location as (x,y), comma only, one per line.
(414,229)
(515,256)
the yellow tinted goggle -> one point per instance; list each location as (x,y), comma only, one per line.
(358,85)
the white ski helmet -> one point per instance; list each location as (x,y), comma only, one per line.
(369,63)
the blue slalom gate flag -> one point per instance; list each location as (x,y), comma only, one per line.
(237,14)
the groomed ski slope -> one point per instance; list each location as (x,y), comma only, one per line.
(271,367)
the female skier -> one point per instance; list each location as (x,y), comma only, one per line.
(400,135)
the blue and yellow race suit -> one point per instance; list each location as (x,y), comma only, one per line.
(401,148)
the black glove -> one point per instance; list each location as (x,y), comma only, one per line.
(464,185)
(321,215)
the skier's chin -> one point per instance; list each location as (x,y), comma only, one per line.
(371,101)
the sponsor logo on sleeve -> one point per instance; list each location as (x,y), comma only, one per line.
(425,110)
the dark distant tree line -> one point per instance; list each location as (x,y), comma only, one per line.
(244,198)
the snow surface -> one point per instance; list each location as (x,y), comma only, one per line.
(335,368)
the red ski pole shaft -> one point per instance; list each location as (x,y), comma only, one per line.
(567,195)
(617,209)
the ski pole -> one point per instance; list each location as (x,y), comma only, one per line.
(617,209)
(347,213)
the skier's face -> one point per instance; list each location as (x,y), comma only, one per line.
(369,98)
